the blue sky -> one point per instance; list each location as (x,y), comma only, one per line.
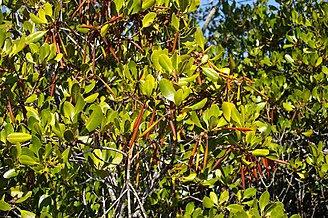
(243,1)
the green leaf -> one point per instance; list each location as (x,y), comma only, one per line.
(91,98)
(10,173)
(147,4)
(104,30)
(147,86)
(27,214)
(118,158)
(190,208)
(4,206)
(178,97)
(288,106)
(235,115)
(75,92)
(308,133)
(195,119)
(29,58)
(234,208)
(250,192)
(37,19)
(48,9)
(69,136)
(95,119)
(166,63)
(325,70)
(27,160)
(319,61)
(175,22)
(34,37)
(22,199)
(167,89)
(198,105)
(69,110)
(190,177)
(264,200)
(289,58)
(148,19)
(295,216)
(207,202)
(261,152)
(211,74)
(199,38)
(227,108)
(224,196)
(18,137)
(214,198)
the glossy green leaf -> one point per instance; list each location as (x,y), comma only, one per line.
(178,97)
(147,4)
(118,158)
(4,206)
(175,22)
(166,63)
(207,202)
(75,92)
(190,208)
(27,160)
(147,86)
(224,196)
(289,58)
(69,110)
(104,30)
(235,208)
(37,19)
(34,37)
(48,9)
(25,197)
(148,19)
(250,192)
(27,214)
(91,98)
(260,152)
(10,173)
(95,119)
(227,107)
(211,74)
(308,133)
(288,106)
(167,89)
(18,137)
(190,177)
(199,38)
(195,119)
(214,198)
(264,200)
(198,105)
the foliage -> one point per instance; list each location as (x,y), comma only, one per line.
(119,108)
(282,48)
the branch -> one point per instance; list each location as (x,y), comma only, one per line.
(209,17)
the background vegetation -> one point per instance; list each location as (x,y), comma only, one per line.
(124,109)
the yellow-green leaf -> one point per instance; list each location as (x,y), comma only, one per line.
(27,214)
(95,119)
(260,152)
(4,206)
(148,19)
(18,137)
(167,89)
(22,199)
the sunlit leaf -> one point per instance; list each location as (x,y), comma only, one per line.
(18,137)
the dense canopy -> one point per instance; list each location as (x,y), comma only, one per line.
(131,109)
